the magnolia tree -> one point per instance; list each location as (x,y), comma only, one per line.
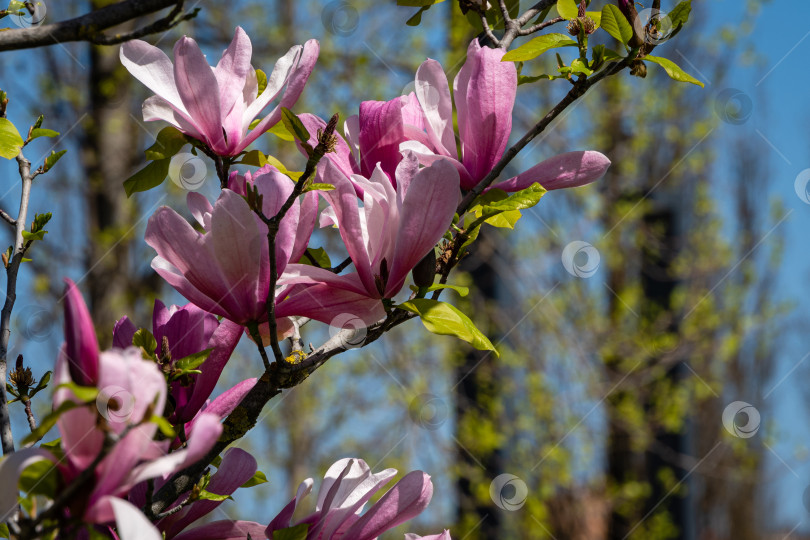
(143,447)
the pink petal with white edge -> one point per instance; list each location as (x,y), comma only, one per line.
(427,212)
(433,93)
(443,536)
(406,500)
(153,68)
(231,73)
(130,522)
(572,169)
(157,108)
(224,530)
(198,89)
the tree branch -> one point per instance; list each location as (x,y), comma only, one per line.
(87,27)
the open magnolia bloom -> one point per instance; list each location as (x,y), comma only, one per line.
(130,392)
(217,105)
(186,331)
(484,92)
(393,230)
(226,270)
(346,488)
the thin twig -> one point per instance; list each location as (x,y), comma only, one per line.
(539,26)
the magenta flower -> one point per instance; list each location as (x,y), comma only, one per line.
(445,535)
(188,330)
(217,105)
(226,270)
(346,488)
(81,345)
(484,92)
(394,229)
(373,137)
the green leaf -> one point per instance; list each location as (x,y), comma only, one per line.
(615,23)
(497,201)
(41,132)
(537,46)
(164,426)
(46,423)
(319,255)
(168,142)
(4,531)
(144,339)
(298,532)
(255,158)
(680,14)
(40,478)
(10,140)
(294,125)
(147,178)
(280,131)
(417,17)
(504,220)
(51,160)
(567,9)
(319,187)
(596,17)
(257,479)
(462,291)
(85,394)
(208,496)
(443,319)
(31,236)
(261,79)
(193,361)
(673,70)
(578,66)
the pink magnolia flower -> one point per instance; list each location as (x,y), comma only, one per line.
(394,229)
(81,345)
(346,488)
(442,536)
(484,92)
(226,270)
(187,330)
(217,105)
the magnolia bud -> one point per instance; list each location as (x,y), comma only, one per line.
(425,270)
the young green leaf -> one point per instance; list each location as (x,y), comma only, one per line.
(294,125)
(168,142)
(615,24)
(255,158)
(462,291)
(257,479)
(446,320)
(40,478)
(261,79)
(673,70)
(42,132)
(193,361)
(51,160)
(567,9)
(208,496)
(298,532)
(147,178)
(538,46)
(10,139)
(85,394)
(144,339)
(319,255)
(164,426)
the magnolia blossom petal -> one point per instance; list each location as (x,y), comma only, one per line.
(123,332)
(225,403)
(158,108)
(11,467)
(381,131)
(282,520)
(427,211)
(433,94)
(130,522)
(333,306)
(489,102)
(231,73)
(153,68)
(306,225)
(224,530)
(443,536)
(237,467)
(207,430)
(406,500)
(342,156)
(81,345)
(198,89)
(572,169)
(223,341)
